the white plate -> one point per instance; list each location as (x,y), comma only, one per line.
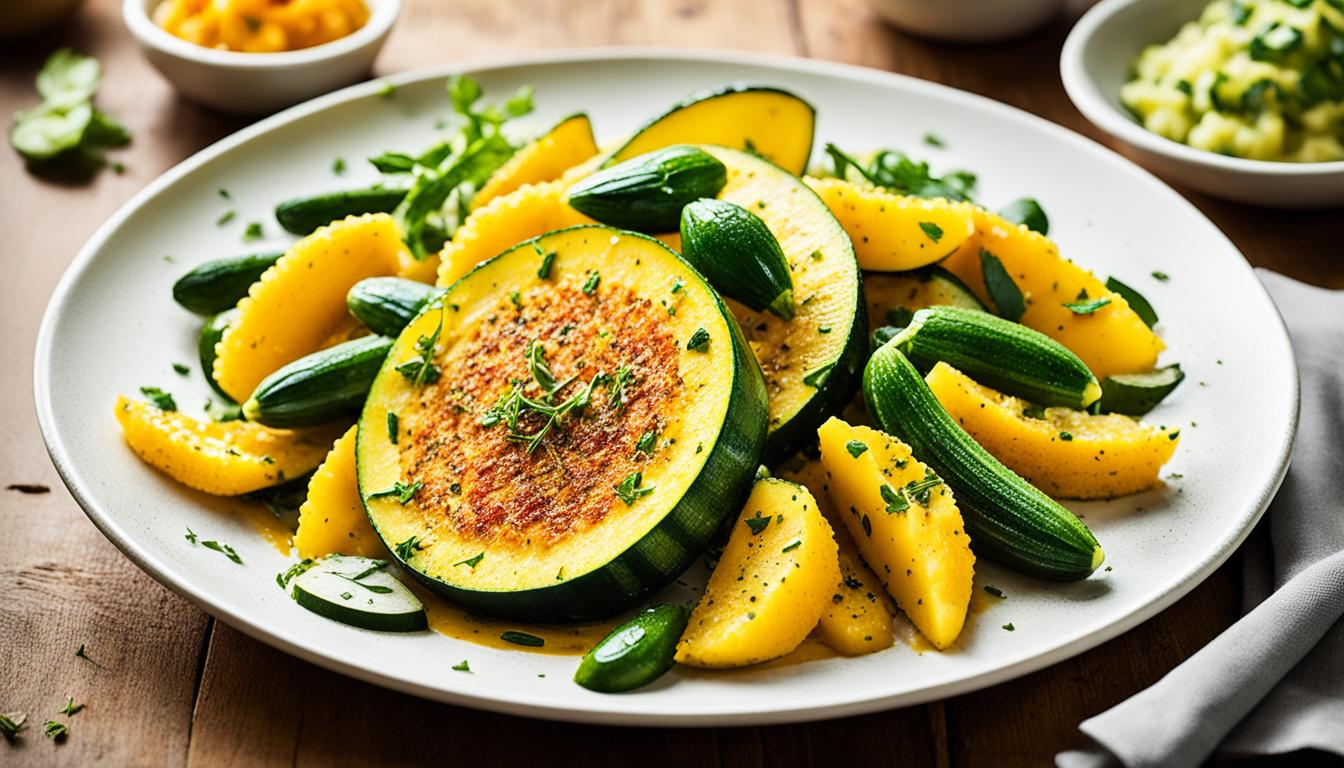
(112,327)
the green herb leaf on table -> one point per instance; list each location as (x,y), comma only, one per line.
(10,725)
(55,730)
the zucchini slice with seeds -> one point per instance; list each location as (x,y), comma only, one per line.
(893,298)
(565,446)
(360,592)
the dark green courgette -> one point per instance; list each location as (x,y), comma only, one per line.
(646,193)
(322,387)
(1027,211)
(735,249)
(1135,394)
(1008,519)
(385,305)
(211,333)
(998,353)
(636,653)
(1135,300)
(302,215)
(218,285)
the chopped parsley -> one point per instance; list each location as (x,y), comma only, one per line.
(462,666)
(1005,294)
(1161,276)
(996,592)
(70,707)
(473,561)
(934,232)
(590,284)
(1066,436)
(1009,626)
(11,723)
(403,491)
(422,370)
(895,501)
(223,549)
(792,545)
(817,377)
(191,536)
(252,232)
(161,400)
(629,489)
(1086,306)
(225,218)
(856,448)
(933,140)
(284,577)
(55,730)
(547,261)
(181,369)
(918,490)
(699,340)
(646,443)
(899,173)
(757,524)
(393,426)
(338,166)
(816,255)
(522,638)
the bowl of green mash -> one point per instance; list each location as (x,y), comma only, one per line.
(1243,99)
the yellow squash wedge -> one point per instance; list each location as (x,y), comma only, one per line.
(1066,453)
(566,145)
(916,543)
(1113,339)
(896,233)
(769,122)
(859,618)
(299,302)
(332,519)
(773,581)
(227,458)
(527,212)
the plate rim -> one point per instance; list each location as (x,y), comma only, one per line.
(614,710)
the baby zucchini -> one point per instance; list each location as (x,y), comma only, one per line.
(735,249)
(1000,354)
(320,387)
(388,304)
(1135,394)
(302,215)
(646,193)
(218,285)
(1007,518)
(360,592)
(636,653)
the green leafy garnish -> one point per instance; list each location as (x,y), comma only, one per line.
(933,231)
(817,377)
(895,501)
(10,725)
(407,549)
(223,549)
(1005,294)
(191,536)
(547,261)
(338,166)
(403,491)
(70,707)
(590,284)
(55,730)
(919,489)
(895,171)
(462,666)
(757,524)
(792,545)
(629,489)
(1027,211)
(699,341)
(1087,306)
(392,427)
(181,369)
(161,400)
(1009,626)
(473,561)
(856,448)
(1161,276)
(422,370)
(522,638)
(933,140)
(252,232)
(646,443)
(289,574)
(225,218)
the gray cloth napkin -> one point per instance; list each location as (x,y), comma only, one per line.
(1274,681)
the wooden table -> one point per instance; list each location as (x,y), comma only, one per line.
(169,685)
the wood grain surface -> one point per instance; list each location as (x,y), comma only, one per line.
(167,685)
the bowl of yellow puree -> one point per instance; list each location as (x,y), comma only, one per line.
(1243,99)
(257,56)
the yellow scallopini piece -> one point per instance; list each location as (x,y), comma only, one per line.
(300,301)
(529,211)
(227,458)
(895,233)
(1066,453)
(566,145)
(332,519)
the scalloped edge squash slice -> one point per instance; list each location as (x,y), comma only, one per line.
(332,518)
(860,617)
(772,584)
(916,543)
(530,211)
(1066,453)
(769,122)
(569,143)
(896,233)
(1113,339)
(226,458)
(300,301)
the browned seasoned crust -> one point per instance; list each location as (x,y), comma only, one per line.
(490,489)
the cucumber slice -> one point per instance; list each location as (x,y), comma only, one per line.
(1135,394)
(636,653)
(360,592)
(998,353)
(1135,300)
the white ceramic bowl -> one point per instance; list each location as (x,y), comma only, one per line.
(1098,58)
(967,20)
(259,83)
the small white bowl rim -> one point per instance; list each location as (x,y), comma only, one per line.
(382,14)
(1098,109)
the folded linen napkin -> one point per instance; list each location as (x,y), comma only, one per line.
(1273,682)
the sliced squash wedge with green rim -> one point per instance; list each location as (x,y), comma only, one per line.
(618,495)
(812,362)
(566,145)
(769,122)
